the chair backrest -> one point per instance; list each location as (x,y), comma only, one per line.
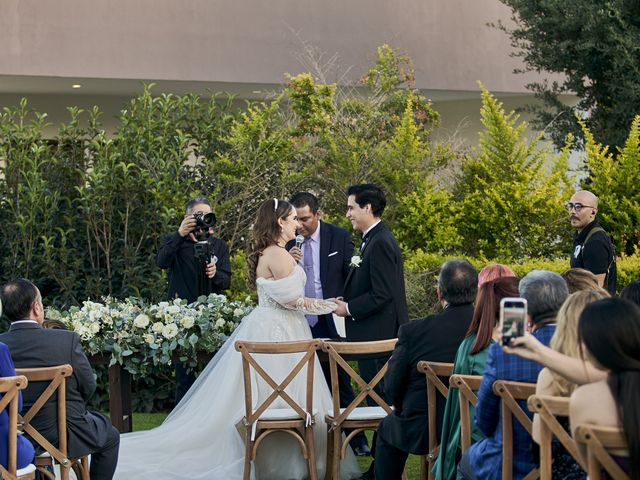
(10,388)
(548,408)
(510,393)
(433,372)
(337,352)
(467,385)
(56,376)
(598,441)
(250,364)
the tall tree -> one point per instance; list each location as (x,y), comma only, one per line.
(595,44)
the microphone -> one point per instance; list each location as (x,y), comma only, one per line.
(299,240)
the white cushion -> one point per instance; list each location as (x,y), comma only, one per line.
(44,455)
(26,470)
(366,413)
(282,414)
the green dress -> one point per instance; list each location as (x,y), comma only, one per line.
(465,364)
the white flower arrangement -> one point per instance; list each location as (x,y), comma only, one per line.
(139,335)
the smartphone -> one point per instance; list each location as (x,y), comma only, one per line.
(513,318)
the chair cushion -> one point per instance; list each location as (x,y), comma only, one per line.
(366,413)
(26,470)
(282,414)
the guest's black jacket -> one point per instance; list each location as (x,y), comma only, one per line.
(185,271)
(435,338)
(32,346)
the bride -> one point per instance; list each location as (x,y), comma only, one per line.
(199,439)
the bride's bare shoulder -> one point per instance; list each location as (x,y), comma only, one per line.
(275,262)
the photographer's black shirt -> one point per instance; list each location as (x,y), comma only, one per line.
(595,255)
(186,273)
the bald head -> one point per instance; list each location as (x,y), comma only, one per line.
(586,208)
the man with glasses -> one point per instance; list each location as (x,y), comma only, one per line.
(592,247)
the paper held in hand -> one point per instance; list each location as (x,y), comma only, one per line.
(340,326)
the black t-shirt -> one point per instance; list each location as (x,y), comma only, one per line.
(595,255)
(186,274)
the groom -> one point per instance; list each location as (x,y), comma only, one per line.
(374,303)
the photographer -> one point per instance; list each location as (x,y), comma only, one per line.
(198,264)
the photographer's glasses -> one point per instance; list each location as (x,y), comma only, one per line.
(577,206)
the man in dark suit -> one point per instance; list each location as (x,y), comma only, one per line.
(32,346)
(375,303)
(435,338)
(325,256)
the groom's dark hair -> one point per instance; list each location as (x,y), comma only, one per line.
(305,199)
(368,193)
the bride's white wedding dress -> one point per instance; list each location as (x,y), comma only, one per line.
(199,439)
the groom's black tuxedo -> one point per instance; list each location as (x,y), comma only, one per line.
(32,346)
(375,290)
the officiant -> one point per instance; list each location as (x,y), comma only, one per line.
(325,255)
(198,264)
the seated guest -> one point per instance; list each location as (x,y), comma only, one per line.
(580,279)
(609,331)
(545,292)
(565,341)
(435,338)
(32,346)
(631,292)
(26,453)
(493,271)
(470,360)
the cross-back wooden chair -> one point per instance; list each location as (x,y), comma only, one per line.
(598,441)
(352,417)
(509,393)
(434,372)
(56,376)
(548,408)
(10,389)
(296,419)
(467,386)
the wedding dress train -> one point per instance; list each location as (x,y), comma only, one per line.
(199,439)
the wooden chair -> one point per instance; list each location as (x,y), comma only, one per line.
(433,372)
(598,441)
(296,419)
(10,388)
(467,385)
(509,393)
(352,417)
(548,408)
(56,376)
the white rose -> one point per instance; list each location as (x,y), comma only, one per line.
(141,321)
(220,323)
(169,331)
(157,327)
(187,322)
(237,312)
(94,328)
(173,309)
(356,260)
(149,338)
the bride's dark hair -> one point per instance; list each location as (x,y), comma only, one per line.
(265,232)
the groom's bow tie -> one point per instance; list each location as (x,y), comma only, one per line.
(364,242)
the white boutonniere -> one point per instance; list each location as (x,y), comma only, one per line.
(356,259)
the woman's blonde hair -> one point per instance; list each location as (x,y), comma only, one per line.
(565,339)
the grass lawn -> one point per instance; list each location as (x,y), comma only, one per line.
(145,421)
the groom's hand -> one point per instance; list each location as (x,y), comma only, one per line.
(341,311)
(296,253)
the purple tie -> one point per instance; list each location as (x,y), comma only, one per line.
(309,287)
